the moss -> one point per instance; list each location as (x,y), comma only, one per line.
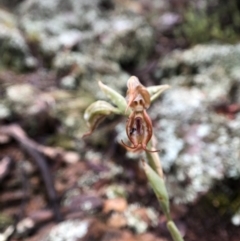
(63,141)
(213,22)
(5,221)
(224,198)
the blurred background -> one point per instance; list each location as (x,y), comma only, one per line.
(52,52)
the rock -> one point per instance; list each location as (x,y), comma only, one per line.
(5,165)
(116,191)
(84,71)
(5,112)
(76,39)
(94,31)
(130,37)
(21,94)
(7,233)
(68,82)
(11,5)
(198,137)
(71,230)
(12,43)
(117,220)
(21,100)
(99,231)
(80,202)
(139,218)
(236,218)
(115,204)
(24,99)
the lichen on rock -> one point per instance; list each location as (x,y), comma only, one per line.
(199,144)
(96,31)
(12,43)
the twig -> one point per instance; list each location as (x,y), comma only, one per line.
(34,150)
(5,165)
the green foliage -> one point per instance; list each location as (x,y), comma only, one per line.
(221,22)
(5,221)
(224,196)
(115,97)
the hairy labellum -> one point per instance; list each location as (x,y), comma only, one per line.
(139,131)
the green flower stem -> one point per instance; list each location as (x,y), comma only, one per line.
(174,231)
(154,162)
(154,174)
(97,111)
(159,188)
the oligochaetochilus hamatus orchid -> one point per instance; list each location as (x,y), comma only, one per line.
(138,99)
(139,124)
(139,132)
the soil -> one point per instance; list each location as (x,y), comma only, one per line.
(24,194)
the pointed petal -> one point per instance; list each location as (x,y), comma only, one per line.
(133,82)
(114,96)
(131,96)
(96,112)
(137,92)
(145,95)
(156,91)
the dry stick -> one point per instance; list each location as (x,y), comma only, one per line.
(5,166)
(25,188)
(23,203)
(32,148)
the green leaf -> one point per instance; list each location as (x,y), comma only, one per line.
(156,90)
(96,113)
(115,97)
(158,186)
(154,162)
(174,231)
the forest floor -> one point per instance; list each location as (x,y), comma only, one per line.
(25,194)
(41,186)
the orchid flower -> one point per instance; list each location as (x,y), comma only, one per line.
(139,131)
(138,98)
(139,124)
